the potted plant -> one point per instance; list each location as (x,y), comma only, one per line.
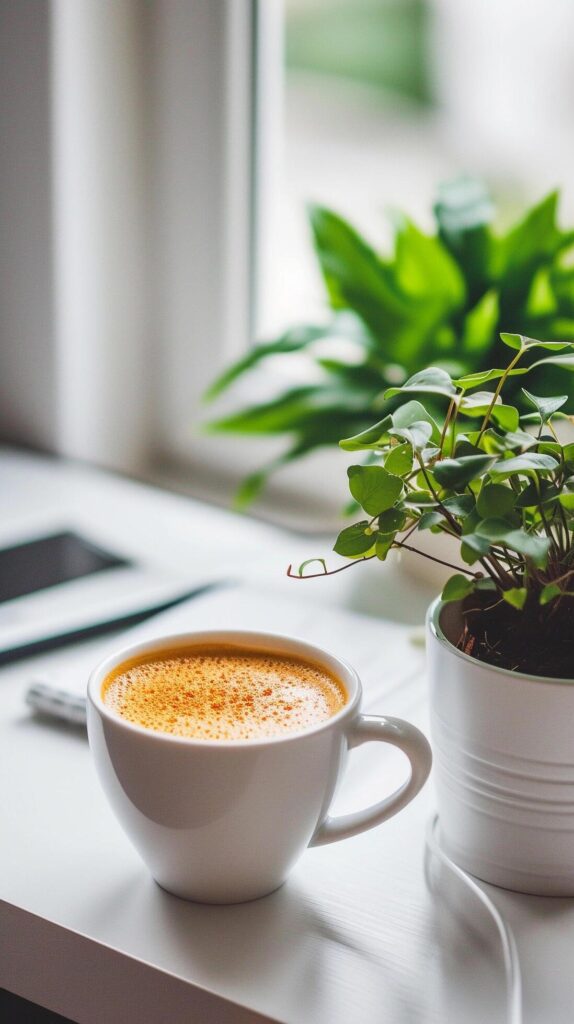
(440,297)
(501,636)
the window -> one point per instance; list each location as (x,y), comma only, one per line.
(156,164)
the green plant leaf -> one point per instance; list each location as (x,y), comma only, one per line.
(374,488)
(457,588)
(457,473)
(250,489)
(463,212)
(284,413)
(496,443)
(311,561)
(432,518)
(417,435)
(500,531)
(293,340)
(459,504)
(478,404)
(399,460)
(545,406)
(473,547)
(516,597)
(417,499)
(370,439)
(494,529)
(413,412)
(521,341)
(432,381)
(520,439)
(529,245)
(541,492)
(486,585)
(563,362)
(475,380)
(534,548)
(566,499)
(391,520)
(505,416)
(495,500)
(549,592)
(534,417)
(352,375)
(515,341)
(549,447)
(383,545)
(528,462)
(424,267)
(355,277)
(480,324)
(353,541)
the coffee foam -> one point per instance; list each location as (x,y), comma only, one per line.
(223,694)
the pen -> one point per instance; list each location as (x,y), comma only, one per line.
(55,703)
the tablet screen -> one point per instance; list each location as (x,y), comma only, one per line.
(47,561)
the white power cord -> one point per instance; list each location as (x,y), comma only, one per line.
(509,950)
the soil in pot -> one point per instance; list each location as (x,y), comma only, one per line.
(538,641)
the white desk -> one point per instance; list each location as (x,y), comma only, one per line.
(356,935)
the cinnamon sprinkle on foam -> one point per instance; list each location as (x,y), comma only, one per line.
(214,694)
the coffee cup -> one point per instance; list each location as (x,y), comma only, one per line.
(225,820)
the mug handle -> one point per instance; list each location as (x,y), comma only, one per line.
(413,743)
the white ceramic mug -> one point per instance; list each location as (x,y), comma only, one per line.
(223,821)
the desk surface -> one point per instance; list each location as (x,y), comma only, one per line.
(357,933)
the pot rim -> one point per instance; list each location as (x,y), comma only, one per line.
(433,626)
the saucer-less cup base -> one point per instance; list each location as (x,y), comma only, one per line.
(225,821)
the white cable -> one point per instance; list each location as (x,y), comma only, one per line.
(509,950)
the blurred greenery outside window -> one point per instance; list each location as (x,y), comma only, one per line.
(389,104)
(379,43)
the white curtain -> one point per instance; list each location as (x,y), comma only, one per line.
(126,193)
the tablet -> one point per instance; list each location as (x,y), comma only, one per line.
(63,585)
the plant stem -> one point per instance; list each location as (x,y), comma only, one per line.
(549,533)
(411,529)
(497,571)
(367,558)
(497,391)
(446,423)
(328,572)
(564,576)
(565,538)
(448,516)
(433,558)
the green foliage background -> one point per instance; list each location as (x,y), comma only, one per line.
(441,298)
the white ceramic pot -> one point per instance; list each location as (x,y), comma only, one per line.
(503,748)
